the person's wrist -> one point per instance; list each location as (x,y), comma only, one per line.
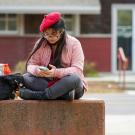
(37,71)
(54,73)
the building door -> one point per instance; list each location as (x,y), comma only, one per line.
(122,35)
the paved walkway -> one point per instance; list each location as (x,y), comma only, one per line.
(120,125)
(112,77)
(116,103)
(119,107)
(119,112)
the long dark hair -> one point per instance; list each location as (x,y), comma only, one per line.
(60,25)
(35,48)
(58,52)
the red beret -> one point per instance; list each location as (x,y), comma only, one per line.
(49,20)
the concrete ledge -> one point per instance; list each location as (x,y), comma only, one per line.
(80,117)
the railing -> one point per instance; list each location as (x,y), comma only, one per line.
(122,66)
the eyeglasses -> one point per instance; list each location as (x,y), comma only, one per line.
(56,34)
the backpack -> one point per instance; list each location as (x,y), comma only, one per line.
(9,84)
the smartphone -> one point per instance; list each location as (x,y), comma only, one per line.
(43,68)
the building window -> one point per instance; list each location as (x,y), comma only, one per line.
(69,23)
(8,23)
(32,23)
(92,24)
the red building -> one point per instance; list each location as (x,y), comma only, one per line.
(101,25)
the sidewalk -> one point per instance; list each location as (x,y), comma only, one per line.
(119,112)
(129,82)
(116,103)
(119,107)
(111,77)
(120,125)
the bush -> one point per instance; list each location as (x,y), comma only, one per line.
(20,67)
(90,69)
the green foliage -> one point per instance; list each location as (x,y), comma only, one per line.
(19,67)
(90,69)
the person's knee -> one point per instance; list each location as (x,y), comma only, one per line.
(34,83)
(28,79)
(27,75)
(73,78)
(76,79)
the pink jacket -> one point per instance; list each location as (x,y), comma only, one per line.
(72,59)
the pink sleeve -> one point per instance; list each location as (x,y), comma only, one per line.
(32,69)
(77,62)
(33,63)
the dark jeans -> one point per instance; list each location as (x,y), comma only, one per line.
(59,90)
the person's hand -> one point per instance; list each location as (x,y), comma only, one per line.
(47,73)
